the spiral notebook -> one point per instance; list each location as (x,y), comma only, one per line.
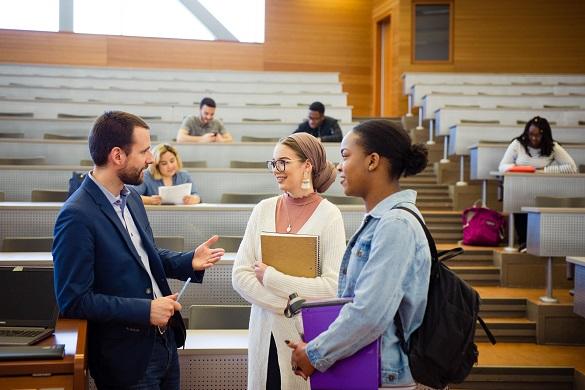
(291,254)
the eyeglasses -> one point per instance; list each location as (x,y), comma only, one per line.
(280,165)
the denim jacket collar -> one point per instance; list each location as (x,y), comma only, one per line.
(408,196)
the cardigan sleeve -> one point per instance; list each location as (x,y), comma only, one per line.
(332,247)
(562,162)
(509,159)
(243,277)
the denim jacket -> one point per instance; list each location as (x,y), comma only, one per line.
(385,268)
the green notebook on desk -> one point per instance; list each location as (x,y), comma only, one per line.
(30,352)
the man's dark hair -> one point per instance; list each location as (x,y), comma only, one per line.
(207,101)
(110,130)
(317,106)
(546,142)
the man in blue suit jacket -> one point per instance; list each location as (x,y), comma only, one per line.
(109,271)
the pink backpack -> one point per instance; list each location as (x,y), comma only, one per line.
(482,226)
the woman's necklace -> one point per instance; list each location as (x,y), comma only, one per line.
(293,222)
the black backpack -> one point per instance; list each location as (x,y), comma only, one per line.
(441,350)
(75,182)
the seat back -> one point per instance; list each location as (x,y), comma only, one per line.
(64,137)
(247,164)
(232,197)
(174,243)
(229,243)
(340,199)
(11,135)
(195,164)
(86,163)
(219,316)
(39,160)
(249,138)
(49,195)
(27,244)
(559,201)
(2,197)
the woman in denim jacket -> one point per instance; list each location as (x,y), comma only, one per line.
(386,265)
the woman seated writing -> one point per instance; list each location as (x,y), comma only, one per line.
(165,171)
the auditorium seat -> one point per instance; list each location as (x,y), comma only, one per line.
(340,199)
(86,163)
(49,195)
(229,243)
(219,316)
(64,137)
(560,201)
(247,198)
(2,197)
(11,135)
(173,243)
(195,164)
(27,244)
(249,138)
(39,160)
(247,164)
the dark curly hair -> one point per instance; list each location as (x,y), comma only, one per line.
(546,143)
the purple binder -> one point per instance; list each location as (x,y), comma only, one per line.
(360,371)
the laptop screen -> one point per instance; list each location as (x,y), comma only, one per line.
(28,298)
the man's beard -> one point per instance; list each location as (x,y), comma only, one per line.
(131,177)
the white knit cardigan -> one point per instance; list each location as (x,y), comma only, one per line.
(559,160)
(270,298)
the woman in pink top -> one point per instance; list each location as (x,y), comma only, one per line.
(302,172)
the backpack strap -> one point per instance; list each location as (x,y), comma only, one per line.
(487,331)
(434,260)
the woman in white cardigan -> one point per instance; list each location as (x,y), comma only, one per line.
(301,170)
(536,147)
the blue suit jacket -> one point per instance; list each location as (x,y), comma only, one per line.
(100,277)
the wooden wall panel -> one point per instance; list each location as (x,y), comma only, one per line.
(301,35)
(50,48)
(521,36)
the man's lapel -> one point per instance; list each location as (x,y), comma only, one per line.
(105,206)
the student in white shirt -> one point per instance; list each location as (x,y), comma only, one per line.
(535,147)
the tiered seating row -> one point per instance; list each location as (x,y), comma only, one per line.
(163,130)
(57,108)
(217,155)
(462,136)
(167,74)
(172,97)
(17,182)
(419,91)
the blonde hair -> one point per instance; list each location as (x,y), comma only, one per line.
(157,152)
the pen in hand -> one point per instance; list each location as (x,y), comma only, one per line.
(183,289)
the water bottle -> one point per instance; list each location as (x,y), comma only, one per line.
(293,310)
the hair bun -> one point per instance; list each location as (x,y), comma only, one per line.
(417,160)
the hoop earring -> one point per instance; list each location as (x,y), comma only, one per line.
(306,183)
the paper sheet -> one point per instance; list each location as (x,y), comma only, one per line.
(174,194)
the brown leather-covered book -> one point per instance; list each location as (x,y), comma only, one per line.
(291,254)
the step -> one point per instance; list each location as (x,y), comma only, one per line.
(503,307)
(472,258)
(434,205)
(508,329)
(518,378)
(478,276)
